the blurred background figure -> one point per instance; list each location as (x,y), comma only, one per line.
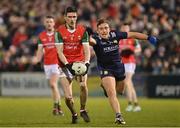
(159,18)
(46,47)
(128,49)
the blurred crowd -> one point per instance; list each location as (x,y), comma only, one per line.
(21,22)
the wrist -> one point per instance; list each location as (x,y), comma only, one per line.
(66,63)
(86,62)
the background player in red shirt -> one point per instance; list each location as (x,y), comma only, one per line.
(128,49)
(74,46)
(46,46)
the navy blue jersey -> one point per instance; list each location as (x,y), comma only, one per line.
(108,57)
(107,50)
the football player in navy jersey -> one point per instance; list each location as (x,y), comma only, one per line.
(106,46)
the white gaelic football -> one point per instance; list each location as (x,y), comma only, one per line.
(79,68)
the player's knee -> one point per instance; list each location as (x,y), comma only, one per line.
(111,93)
(120,89)
(53,85)
(83,84)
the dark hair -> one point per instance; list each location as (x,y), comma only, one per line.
(70,9)
(101,21)
(127,23)
(50,16)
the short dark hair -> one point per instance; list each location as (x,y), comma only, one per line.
(50,16)
(127,23)
(70,9)
(101,21)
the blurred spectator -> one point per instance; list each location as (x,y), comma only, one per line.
(20,24)
(19,36)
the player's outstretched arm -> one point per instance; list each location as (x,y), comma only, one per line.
(141,36)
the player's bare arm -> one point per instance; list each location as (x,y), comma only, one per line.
(85,43)
(141,36)
(39,53)
(86,51)
(137,35)
(60,54)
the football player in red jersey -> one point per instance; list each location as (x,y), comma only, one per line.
(128,49)
(46,46)
(74,47)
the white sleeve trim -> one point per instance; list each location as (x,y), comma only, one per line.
(85,42)
(58,43)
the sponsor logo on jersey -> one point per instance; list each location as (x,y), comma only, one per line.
(49,45)
(44,39)
(111,48)
(50,38)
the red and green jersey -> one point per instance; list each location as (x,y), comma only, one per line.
(48,43)
(127,55)
(73,42)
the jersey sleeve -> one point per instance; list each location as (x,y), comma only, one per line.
(58,38)
(89,31)
(137,44)
(85,38)
(39,41)
(121,35)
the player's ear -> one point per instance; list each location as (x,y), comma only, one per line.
(44,21)
(65,17)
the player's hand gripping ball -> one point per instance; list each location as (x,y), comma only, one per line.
(79,68)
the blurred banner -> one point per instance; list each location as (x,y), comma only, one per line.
(35,84)
(24,84)
(163,86)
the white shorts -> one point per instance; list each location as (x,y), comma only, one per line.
(53,69)
(130,67)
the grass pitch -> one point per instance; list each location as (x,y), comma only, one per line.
(37,112)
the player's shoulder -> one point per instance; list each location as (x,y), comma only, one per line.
(118,34)
(96,36)
(80,27)
(61,27)
(113,33)
(42,34)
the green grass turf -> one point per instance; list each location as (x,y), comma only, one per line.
(36,112)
